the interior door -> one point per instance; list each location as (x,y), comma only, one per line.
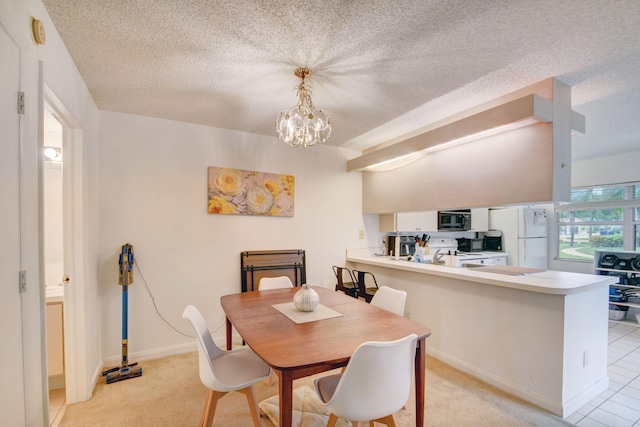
(12,403)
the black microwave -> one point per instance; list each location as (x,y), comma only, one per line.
(454,221)
(470,245)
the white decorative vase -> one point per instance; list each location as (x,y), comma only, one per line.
(306,299)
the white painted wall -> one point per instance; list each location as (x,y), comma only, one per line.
(613,169)
(54,65)
(53,242)
(153,194)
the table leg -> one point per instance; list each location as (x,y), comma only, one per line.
(420,382)
(286,397)
(229,330)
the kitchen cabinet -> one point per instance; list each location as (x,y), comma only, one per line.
(55,339)
(625,265)
(387,223)
(479,219)
(417,221)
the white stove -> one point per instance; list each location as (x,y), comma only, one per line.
(445,245)
(463,259)
(448,248)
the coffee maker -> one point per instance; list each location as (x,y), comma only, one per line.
(407,245)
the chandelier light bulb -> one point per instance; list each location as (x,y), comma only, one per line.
(303,125)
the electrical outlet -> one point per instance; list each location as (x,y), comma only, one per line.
(361,234)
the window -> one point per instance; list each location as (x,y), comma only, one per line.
(599,218)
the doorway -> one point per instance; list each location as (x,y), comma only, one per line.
(77,380)
(53,248)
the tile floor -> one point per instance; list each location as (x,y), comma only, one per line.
(619,406)
(57,405)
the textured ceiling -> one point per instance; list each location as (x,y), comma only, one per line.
(381,69)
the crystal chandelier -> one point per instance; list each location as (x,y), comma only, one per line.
(303,124)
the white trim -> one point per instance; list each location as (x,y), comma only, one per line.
(563,410)
(79,387)
(153,354)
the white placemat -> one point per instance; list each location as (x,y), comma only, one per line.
(321,312)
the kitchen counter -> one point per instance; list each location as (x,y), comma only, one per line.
(538,335)
(550,282)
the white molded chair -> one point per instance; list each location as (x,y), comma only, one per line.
(375,384)
(224,371)
(274,283)
(390,299)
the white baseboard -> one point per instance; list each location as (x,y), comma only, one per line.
(167,351)
(56,382)
(152,354)
(585,397)
(560,409)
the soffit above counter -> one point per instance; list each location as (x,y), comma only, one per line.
(526,160)
(530,105)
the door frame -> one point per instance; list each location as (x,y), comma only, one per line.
(16,305)
(77,383)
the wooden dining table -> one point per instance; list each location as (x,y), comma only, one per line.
(296,350)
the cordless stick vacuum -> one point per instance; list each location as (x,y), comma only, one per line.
(127,370)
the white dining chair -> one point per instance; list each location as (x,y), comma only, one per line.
(375,384)
(225,371)
(274,283)
(390,299)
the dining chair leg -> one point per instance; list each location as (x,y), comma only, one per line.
(388,421)
(332,420)
(206,419)
(270,379)
(253,405)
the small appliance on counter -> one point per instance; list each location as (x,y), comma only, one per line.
(470,245)
(492,243)
(406,245)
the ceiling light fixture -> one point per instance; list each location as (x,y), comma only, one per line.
(53,154)
(303,124)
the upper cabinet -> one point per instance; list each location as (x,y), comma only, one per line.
(417,221)
(427,221)
(479,219)
(387,223)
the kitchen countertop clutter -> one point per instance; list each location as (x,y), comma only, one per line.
(536,280)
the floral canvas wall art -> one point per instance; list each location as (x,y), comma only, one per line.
(240,192)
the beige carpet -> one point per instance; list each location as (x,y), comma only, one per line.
(169,393)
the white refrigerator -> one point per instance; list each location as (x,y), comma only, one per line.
(524,235)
